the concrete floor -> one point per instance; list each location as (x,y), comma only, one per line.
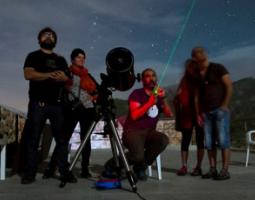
(239,187)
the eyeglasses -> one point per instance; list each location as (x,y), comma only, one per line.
(47,34)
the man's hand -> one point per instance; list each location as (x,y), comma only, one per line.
(200,120)
(229,89)
(161,92)
(58,76)
(165,106)
(152,100)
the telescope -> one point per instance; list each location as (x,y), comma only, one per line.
(120,69)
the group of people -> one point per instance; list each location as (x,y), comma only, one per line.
(51,81)
(201,102)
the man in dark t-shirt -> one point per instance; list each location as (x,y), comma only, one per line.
(216,91)
(47,73)
(140,137)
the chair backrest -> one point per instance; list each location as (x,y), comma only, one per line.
(249,137)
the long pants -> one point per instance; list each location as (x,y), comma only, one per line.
(144,146)
(38,113)
(84,116)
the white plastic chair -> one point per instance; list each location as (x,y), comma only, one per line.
(249,141)
(159,171)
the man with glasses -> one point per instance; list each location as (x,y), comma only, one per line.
(47,73)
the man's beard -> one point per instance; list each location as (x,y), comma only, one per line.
(151,85)
(47,45)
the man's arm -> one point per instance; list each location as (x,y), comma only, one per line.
(137,110)
(229,88)
(31,74)
(164,106)
(199,118)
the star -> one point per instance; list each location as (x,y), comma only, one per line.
(229,14)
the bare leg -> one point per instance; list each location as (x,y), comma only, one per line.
(184,156)
(212,155)
(200,156)
(225,158)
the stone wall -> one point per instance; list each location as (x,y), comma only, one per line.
(11,124)
(99,141)
(167,126)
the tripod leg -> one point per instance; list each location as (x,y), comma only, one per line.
(123,157)
(83,143)
(78,152)
(114,151)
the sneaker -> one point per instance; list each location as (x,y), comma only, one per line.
(223,175)
(182,171)
(211,174)
(27,180)
(69,178)
(48,173)
(197,171)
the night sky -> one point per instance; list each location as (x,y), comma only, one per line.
(149,28)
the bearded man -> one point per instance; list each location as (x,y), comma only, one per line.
(140,137)
(47,73)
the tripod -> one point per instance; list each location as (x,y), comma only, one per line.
(106,114)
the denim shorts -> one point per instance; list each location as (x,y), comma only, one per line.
(216,129)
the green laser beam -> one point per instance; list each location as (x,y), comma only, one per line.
(177,41)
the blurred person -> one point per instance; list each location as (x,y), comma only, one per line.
(189,116)
(216,92)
